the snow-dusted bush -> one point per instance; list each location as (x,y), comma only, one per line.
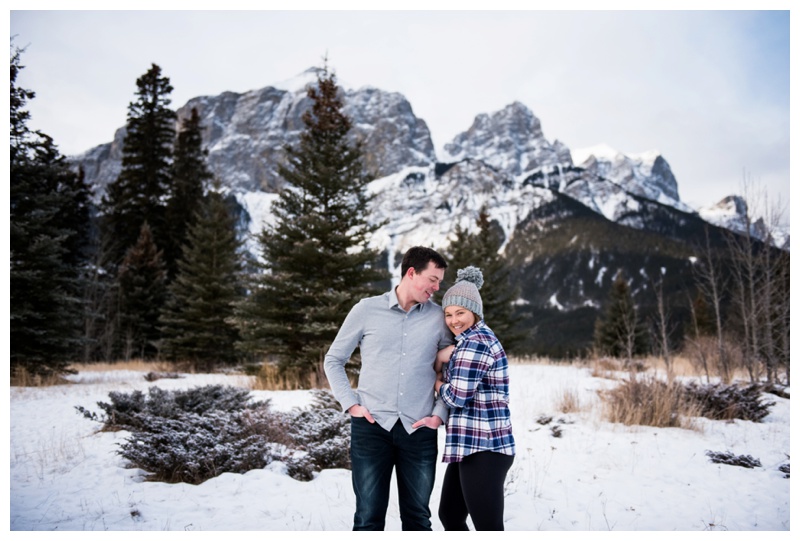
(153,376)
(726,457)
(192,435)
(132,411)
(193,448)
(726,402)
(322,433)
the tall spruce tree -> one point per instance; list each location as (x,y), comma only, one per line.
(190,175)
(195,320)
(138,195)
(48,232)
(620,332)
(316,259)
(481,249)
(142,291)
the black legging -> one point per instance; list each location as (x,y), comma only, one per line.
(474,487)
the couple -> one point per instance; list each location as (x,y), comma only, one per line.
(400,402)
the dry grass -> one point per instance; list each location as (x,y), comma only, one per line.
(20,377)
(270,378)
(607,368)
(649,401)
(135,365)
(569,401)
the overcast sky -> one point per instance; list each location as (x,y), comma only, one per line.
(708,89)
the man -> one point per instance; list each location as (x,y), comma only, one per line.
(393,415)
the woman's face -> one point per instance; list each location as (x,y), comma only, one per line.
(458,319)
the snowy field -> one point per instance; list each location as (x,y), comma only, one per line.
(64,475)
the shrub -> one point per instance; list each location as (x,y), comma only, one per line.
(193,435)
(153,376)
(194,448)
(132,411)
(648,401)
(726,402)
(321,434)
(745,461)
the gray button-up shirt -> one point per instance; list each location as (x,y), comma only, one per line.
(398,349)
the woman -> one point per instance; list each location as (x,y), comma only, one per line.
(479,446)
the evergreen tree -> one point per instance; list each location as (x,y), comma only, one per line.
(481,249)
(189,177)
(47,233)
(138,195)
(194,321)
(317,261)
(620,332)
(142,290)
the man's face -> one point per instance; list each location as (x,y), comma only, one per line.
(424,284)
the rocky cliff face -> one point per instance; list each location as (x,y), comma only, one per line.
(510,140)
(245,134)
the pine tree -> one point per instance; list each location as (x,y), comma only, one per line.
(317,263)
(139,193)
(195,318)
(481,249)
(142,291)
(48,231)
(620,332)
(189,177)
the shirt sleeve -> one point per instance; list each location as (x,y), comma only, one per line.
(469,364)
(440,408)
(343,346)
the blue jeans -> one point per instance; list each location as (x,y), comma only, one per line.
(374,453)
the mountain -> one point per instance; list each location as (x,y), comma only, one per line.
(570,220)
(245,134)
(732,213)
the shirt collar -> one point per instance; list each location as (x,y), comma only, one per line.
(394,302)
(469,332)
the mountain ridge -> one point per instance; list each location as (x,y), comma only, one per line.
(612,211)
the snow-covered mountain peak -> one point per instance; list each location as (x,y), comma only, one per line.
(601,151)
(510,140)
(730,212)
(646,174)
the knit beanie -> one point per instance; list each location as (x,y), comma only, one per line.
(464,292)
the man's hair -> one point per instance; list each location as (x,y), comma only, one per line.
(419,257)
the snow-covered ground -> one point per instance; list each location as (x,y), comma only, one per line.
(64,475)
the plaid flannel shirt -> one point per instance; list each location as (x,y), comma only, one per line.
(476,390)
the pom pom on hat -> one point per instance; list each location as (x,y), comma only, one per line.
(470,274)
(464,292)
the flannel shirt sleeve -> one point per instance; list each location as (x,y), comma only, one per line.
(468,365)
